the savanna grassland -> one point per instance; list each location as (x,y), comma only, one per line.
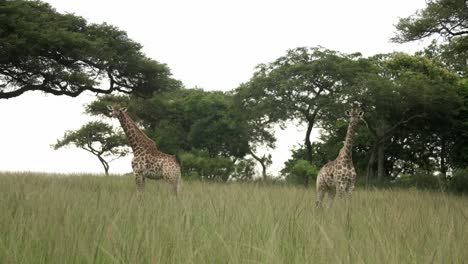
(87,219)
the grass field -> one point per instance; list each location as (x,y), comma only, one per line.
(86,219)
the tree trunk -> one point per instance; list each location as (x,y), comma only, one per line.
(105,165)
(380,161)
(443,165)
(307,142)
(310,117)
(308,145)
(370,164)
(262,163)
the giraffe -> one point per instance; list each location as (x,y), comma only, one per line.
(148,161)
(338,176)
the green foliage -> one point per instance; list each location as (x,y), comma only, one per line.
(400,95)
(446,18)
(193,119)
(62,54)
(259,123)
(53,219)
(415,108)
(426,180)
(301,83)
(200,126)
(99,139)
(244,169)
(459,181)
(300,170)
(99,107)
(443,17)
(200,165)
(302,86)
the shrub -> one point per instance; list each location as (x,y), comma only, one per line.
(302,169)
(459,181)
(425,180)
(199,165)
(420,180)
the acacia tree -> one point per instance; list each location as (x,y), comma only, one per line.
(97,138)
(409,104)
(259,122)
(200,126)
(300,85)
(62,54)
(447,18)
(404,91)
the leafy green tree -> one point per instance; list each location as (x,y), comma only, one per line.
(459,181)
(97,138)
(199,164)
(188,119)
(454,57)
(99,107)
(244,169)
(410,103)
(445,18)
(411,90)
(259,120)
(200,126)
(301,85)
(302,169)
(62,54)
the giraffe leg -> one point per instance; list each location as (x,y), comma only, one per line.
(341,189)
(175,183)
(140,182)
(176,186)
(178,183)
(331,196)
(173,177)
(320,196)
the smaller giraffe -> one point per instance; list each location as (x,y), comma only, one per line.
(338,176)
(148,161)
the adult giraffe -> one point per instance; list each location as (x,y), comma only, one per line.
(338,176)
(148,161)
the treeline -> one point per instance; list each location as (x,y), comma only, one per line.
(416,106)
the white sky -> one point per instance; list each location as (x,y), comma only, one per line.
(211,44)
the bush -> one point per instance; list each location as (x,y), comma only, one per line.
(302,169)
(420,180)
(199,165)
(425,180)
(459,181)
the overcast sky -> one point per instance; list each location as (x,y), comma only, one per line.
(211,44)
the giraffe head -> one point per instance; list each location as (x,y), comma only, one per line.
(116,110)
(356,114)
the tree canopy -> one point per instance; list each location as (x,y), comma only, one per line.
(202,127)
(447,18)
(300,86)
(99,139)
(62,54)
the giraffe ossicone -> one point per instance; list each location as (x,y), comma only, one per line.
(339,175)
(148,161)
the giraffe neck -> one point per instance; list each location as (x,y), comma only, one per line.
(346,150)
(138,141)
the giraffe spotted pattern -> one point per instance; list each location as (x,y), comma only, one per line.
(148,161)
(338,176)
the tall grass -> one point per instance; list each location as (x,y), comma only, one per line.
(86,219)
